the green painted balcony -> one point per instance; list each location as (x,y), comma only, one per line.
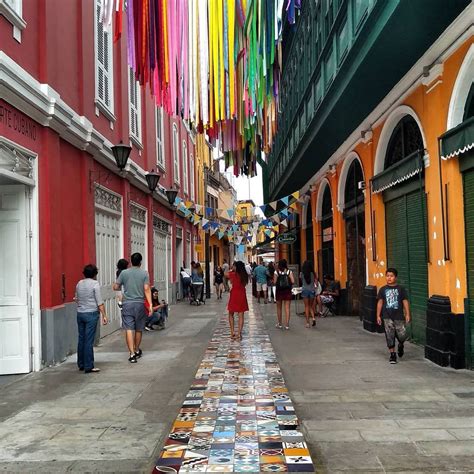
(340,59)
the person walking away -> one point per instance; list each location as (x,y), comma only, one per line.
(197,282)
(185,282)
(89,305)
(219,282)
(225,269)
(331,291)
(393,307)
(284,281)
(308,291)
(260,274)
(135,283)
(238,278)
(160,312)
(270,283)
(122,265)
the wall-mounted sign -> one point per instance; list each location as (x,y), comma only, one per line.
(286,238)
(327,234)
(18,122)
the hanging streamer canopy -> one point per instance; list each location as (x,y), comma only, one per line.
(215,63)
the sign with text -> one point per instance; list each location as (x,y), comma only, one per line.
(16,121)
(286,238)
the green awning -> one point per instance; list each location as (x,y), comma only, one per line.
(458,140)
(399,172)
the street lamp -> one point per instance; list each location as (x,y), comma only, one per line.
(152,179)
(171,195)
(121,153)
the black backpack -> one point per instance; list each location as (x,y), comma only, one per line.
(283,281)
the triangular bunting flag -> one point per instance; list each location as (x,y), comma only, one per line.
(199,209)
(220,234)
(285,200)
(230,213)
(296,194)
(213,230)
(273,205)
(268,232)
(284,223)
(263,208)
(204,222)
(276,219)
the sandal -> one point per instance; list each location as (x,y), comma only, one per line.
(278,326)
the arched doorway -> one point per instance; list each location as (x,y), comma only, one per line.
(309,233)
(354,217)
(326,254)
(405,216)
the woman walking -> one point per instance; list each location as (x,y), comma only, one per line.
(219,282)
(197,283)
(239,278)
(89,304)
(284,281)
(308,292)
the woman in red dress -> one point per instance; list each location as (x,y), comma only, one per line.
(239,278)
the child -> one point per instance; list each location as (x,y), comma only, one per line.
(394,309)
(122,265)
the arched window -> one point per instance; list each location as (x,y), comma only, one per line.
(469,107)
(406,139)
(352,194)
(177,177)
(185,166)
(326,212)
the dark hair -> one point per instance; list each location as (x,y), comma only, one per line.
(154,300)
(136,259)
(392,270)
(328,277)
(306,270)
(122,265)
(271,269)
(242,272)
(282,265)
(90,271)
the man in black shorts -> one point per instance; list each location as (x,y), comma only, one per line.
(394,309)
(135,284)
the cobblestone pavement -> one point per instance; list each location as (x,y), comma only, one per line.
(357,413)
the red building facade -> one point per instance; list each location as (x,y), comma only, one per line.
(66,97)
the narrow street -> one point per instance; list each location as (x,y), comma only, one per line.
(356,412)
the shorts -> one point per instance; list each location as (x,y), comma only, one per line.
(308,294)
(261,287)
(325,299)
(134,315)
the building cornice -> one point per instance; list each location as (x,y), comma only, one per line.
(44,105)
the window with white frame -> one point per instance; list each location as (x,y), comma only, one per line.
(185,166)
(191,175)
(12,10)
(104,84)
(177,178)
(135,105)
(160,152)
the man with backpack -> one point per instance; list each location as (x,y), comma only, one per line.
(284,281)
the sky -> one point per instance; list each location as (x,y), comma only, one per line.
(248,188)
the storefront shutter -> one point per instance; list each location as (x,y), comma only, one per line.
(469,233)
(418,263)
(406,251)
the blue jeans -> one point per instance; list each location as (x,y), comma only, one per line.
(158,317)
(86,325)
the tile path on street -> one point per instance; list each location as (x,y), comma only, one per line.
(237,415)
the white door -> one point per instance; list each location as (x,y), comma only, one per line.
(14,270)
(162,263)
(179,264)
(108,251)
(138,233)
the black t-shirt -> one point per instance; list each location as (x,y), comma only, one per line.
(392,297)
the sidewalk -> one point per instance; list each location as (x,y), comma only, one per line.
(62,420)
(358,413)
(361,414)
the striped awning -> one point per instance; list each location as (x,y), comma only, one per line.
(399,172)
(458,141)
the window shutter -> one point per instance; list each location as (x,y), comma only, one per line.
(104,79)
(176,153)
(191,165)
(159,137)
(185,166)
(135,107)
